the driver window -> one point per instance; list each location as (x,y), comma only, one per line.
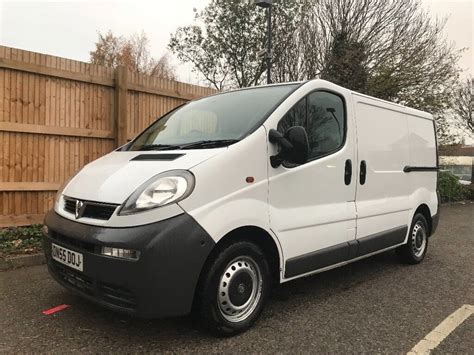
(322,114)
(325,123)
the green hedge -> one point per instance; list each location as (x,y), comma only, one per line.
(451,190)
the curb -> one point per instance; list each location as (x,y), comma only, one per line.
(454,203)
(18,261)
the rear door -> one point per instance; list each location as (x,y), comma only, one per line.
(312,208)
(382,198)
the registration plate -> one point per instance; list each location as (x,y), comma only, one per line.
(67,257)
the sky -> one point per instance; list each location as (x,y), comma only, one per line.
(68,28)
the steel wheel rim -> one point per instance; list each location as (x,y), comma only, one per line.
(418,239)
(234,283)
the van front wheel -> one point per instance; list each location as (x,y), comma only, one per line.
(414,251)
(234,289)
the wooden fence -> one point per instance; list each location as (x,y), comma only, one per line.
(57,114)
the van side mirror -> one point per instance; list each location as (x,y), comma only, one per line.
(294,146)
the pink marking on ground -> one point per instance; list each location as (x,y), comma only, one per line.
(55,309)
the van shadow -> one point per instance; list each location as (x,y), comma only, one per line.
(158,333)
(339,279)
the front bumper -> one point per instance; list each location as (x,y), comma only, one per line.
(160,284)
(435,222)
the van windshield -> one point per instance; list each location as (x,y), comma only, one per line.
(214,121)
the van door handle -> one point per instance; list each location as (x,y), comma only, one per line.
(363,172)
(348,172)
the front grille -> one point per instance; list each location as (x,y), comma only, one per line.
(70,205)
(116,295)
(75,279)
(90,209)
(99,211)
(113,295)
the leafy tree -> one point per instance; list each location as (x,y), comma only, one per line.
(133,52)
(224,42)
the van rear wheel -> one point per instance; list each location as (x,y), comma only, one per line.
(414,251)
(233,290)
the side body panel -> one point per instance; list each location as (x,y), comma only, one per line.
(398,145)
(382,135)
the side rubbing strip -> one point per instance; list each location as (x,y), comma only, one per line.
(382,240)
(409,169)
(146,157)
(317,260)
(344,252)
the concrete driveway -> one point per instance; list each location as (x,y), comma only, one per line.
(374,305)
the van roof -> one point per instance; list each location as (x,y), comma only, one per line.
(394,105)
(406,109)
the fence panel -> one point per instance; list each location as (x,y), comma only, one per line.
(57,114)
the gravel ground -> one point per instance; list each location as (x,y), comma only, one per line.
(375,306)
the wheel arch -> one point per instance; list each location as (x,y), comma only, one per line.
(424,210)
(256,235)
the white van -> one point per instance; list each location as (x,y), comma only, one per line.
(226,195)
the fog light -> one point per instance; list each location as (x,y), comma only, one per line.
(121,253)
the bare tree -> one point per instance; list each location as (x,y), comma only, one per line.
(464,106)
(446,129)
(108,50)
(390,49)
(132,52)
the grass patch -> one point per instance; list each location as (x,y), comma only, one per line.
(21,240)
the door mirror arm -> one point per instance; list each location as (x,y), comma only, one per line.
(294,146)
(276,160)
(278,138)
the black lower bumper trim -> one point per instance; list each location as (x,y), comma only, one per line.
(434,223)
(160,284)
(107,295)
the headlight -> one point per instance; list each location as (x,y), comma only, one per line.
(161,190)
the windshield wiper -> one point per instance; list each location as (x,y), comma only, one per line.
(159,147)
(193,145)
(209,144)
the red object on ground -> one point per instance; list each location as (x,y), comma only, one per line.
(55,309)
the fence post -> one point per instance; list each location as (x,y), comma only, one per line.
(120,105)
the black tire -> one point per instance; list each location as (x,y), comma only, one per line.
(414,251)
(209,310)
